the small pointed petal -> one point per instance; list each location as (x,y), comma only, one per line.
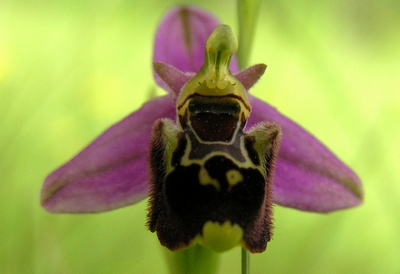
(171,76)
(248,77)
(181,37)
(112,171)
(307,175)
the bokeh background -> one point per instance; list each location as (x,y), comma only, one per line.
(70,69)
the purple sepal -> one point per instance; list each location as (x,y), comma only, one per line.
(308,176)
(181,37)
(112,171)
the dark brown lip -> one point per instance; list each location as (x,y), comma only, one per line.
(228,96)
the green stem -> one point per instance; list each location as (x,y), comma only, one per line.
(245,261)
(248,11)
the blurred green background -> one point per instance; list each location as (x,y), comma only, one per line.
(70,69)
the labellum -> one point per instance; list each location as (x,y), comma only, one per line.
(211,181)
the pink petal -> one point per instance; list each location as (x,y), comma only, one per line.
(307,175)
(112,171)
(181,38)
(171,76)
(249,76)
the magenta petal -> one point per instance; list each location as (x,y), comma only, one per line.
(249,76)
(307,175)
(181,37)
(171,76)
(112,171)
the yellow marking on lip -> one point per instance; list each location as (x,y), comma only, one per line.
(234,177)
(220,237)
(205,179)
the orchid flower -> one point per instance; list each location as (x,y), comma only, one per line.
(114,170)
